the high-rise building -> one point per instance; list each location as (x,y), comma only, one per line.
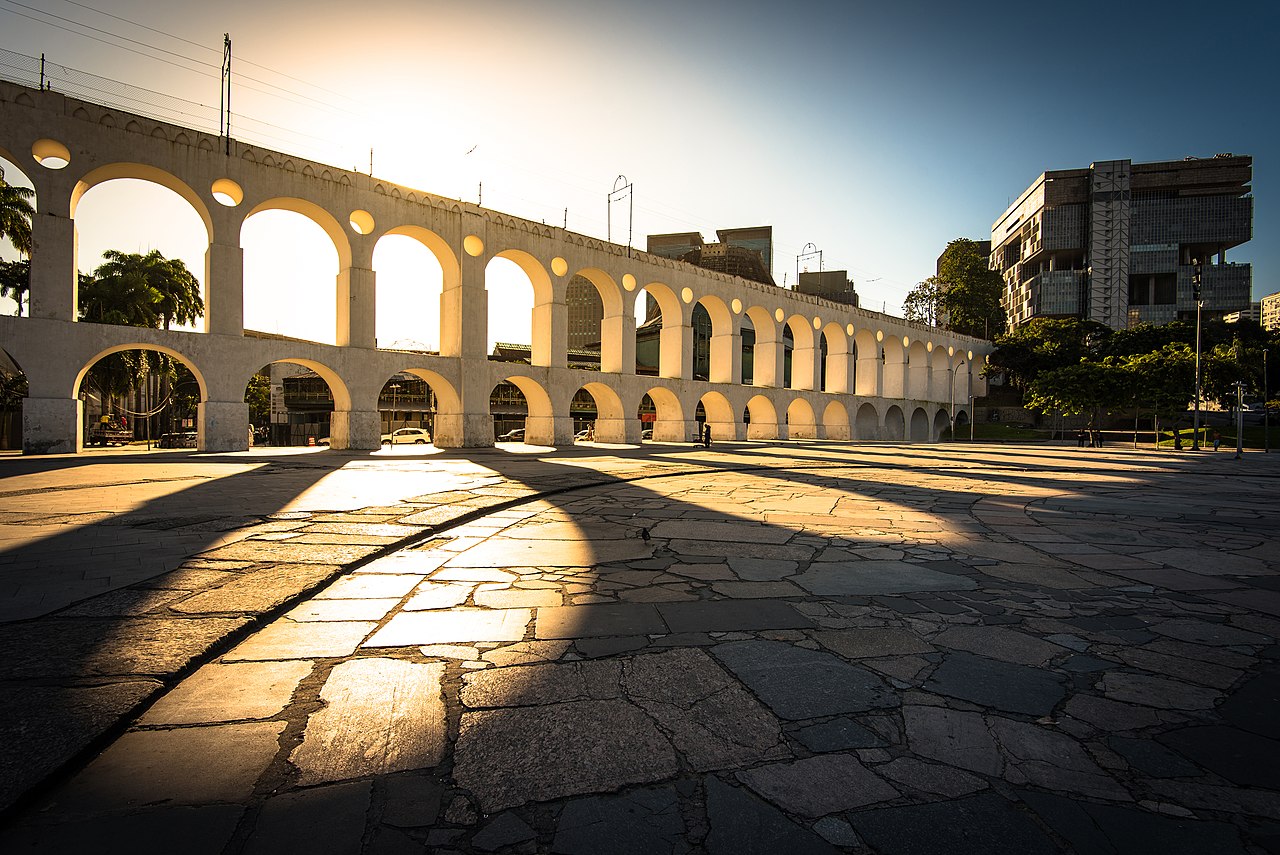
(1117,242)
(833,285)
(746,252)
(1270,308)
(585,313)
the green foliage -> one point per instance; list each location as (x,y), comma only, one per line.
(258,396)
(15,215)
(1043,345)
(922,305)
(140,291)
(15,281)
(970,300)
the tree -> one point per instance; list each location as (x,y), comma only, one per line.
(923,303)
(171,291)
(971,291)
(1084,387)
(15,281)
(15,215)
(1044,345)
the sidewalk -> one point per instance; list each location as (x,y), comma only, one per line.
(802,647)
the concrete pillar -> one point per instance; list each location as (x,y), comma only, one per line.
(726,358)
(357,309)
(868,372)
(893,377)
(762,430)
(53,267)
(550,345)
(224,289)
(675,359)
(52,425)
(618,344)
(617,430)
(464,312)
(839,372)
(223,425)
(355,429)
(769,361)
(674,430)
(804,368)
(548,430)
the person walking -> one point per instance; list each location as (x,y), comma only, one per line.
(706,435)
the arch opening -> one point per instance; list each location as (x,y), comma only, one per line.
(140,393)
(410,282)
(291,267)
(292,402)
(15,249)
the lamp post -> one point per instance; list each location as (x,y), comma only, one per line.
(954,369)
(1239,384)
(1266,411)
(1196,270)
(391,422)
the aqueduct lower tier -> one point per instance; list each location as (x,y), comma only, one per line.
(854,374)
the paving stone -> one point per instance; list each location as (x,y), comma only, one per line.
(289,640)
(867,578)
(1221,563)
(1153,759)
(159,767)
(95,647)
(230,692)
(599,619)
(370,586)
(999,643)
(1157,692)
(703,572)
(976,825)
(507,551)
(430,595)
(640,822)
(878,641)
(507,757)
(122,603)
(451,627)
(818,786)
(838,734)
(1002,685)
(514,598)
(342,610)
(954,737)
(286,552)
(741,824)
(762,569)
(1108,715)
(931,778)
(505,829)
(546,683)
(380,716)
(730,616)
(412,800)
(1039,756)
(191,830)
(1239,756)
(319,821)
(798,684)
(1203,632)
(526,652)
(733,550)
(736,531)
(43,727)
(1252,707)
(1230,800)
(740,590)
(1090,828)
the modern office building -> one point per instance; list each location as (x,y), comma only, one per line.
(833,285)
(1117,242)
(1253,313)
(1270,311)
(746,252)
(585,313)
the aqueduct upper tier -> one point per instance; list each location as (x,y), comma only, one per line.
(854,374)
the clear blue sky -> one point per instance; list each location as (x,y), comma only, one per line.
(876,131)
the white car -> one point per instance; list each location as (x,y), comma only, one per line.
(407,436)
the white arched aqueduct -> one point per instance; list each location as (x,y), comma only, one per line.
(854,374)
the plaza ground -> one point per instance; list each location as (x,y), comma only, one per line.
(791,647)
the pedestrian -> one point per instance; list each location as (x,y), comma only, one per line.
(1217,440)
(591,432)
(706,435)
(1177,439)
(1080,438)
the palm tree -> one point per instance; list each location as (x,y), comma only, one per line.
(172,292)
(15,281)
(15,215)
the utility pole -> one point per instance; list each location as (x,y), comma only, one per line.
(1196,270)
(224,94)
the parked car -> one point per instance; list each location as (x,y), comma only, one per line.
(406,436)
(581,435)
(647,433)
(182,439)
(516,435)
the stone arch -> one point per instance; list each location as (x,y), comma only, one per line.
(721,416)
(339,427)
(866,423)
(611,420)
(838,370)
(443,407)
(616,329)
(138,345)
(674,352)
(835,421)
(801,421)
(868,365)
(941,423)
(917,371)
(539,425)
(720,342)
(766,362)
(142,172)
(669,421)
(318,215)
(804,353)
(895,424)
(893,357)
(425,302)
(919,426)
(543,347)
(764,418)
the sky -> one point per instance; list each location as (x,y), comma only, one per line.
(874,131)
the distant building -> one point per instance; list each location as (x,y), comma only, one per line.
(1270,312)
(746,252)
(1115,242)
(1253,313)
(586,311)
(833,285)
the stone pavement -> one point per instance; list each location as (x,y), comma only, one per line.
(804,647)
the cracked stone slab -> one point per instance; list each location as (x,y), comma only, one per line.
(202,831)
(1158,692)
(599,619)
(636,823)
(506,551)
(817,786)
(381,716)
(1039,756)
(229,692)
(1241,757)
(871,578)
(743,824)
(507,757)
(976,825)
(797,683)
(955,737)
(321,820)
(313,640)
(997,642)
(1002,685)
(931,778)
(458,626)
(872,642)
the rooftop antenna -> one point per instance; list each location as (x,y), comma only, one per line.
(224,94)
(622,189)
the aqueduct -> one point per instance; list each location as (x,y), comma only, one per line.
(880,377)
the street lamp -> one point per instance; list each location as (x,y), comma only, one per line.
(1239,384)
(955,368)
(1196,271)
(1266,411)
